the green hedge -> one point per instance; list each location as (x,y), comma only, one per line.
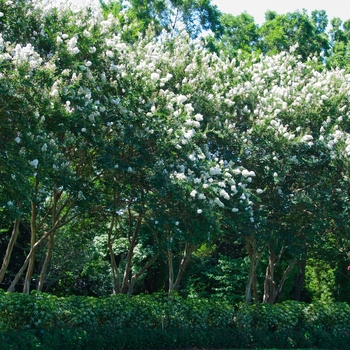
(44,321)
(110,338)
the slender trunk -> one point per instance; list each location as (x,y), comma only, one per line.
(300,277)
(271,289)
(47,260)
(254,257)
(10,245)
(137,275)
(31,262)
(170,271)
(26,262)
(128,264)
(48,256)
(248,288)
(285,275)
(115,269)
(59,223)
(255,284)
(269,284)
(183,264)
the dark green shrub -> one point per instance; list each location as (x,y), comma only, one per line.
(157,322)
(15,340)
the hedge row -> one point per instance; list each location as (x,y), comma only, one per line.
(156,322)
(106,338)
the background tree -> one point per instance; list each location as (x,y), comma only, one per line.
(195,16)
(281,32)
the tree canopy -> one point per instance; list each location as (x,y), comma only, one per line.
(129,139)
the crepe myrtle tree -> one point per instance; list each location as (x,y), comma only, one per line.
(292,112)
(268,110)
(151,136)
(114,116)
(21,66)
(53,156)
(43,170)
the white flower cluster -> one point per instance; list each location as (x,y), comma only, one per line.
(26,54)
(72,45)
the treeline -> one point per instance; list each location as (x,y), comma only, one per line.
(136,156)
(313,32)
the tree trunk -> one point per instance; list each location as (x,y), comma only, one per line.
(59,223)
(128,264)
(255,284)
(49,252)
(254,257)
(28,258)
(115,268)
(269,284)
(174,285)
(271,289)
(45,267)
(183,264)
(299,278)
(286,273)
(31,262)
(10,245)
(137,275)
(170,271)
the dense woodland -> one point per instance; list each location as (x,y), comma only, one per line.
(163,146)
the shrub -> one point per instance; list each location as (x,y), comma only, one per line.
(41,320)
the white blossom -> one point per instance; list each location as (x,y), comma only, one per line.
(189,134)
(181,99)
(215,171)
(306,138)
(155,76)
(224,194)
(247,173)
(71,46)
(193,193)
(219,203)
(34,163)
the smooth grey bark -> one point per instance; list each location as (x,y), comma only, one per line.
(254,257)
(9,249)
(49,251)
(271,289)
(132,243)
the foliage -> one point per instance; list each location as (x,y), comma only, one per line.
(121,322)
(195,16)
(145,148)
